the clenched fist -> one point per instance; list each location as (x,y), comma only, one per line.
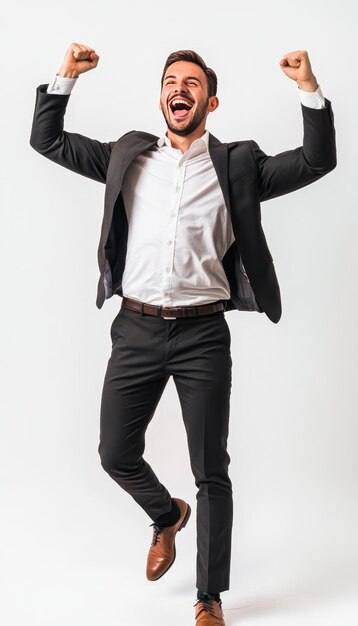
(78,59)
(296,65)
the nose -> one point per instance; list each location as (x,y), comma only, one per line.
(181,87)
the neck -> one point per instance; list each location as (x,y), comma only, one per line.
(183,142)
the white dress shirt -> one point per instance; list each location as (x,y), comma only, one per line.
(179,228)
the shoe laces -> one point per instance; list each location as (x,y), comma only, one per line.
(156,532)
(207,606)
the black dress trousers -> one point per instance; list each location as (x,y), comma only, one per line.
(146,351)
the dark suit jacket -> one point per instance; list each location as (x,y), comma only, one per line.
(246,174)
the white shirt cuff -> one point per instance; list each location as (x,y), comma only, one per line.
(61,86)
(312,99)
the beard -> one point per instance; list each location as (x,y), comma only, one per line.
(192,124)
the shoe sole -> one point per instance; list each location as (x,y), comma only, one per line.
(182,525)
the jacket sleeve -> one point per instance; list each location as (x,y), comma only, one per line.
(78,153)
(290,170)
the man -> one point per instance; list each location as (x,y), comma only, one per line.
(181,243)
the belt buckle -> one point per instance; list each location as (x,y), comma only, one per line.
(168,317)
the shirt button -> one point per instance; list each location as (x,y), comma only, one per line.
(169,242)
(173,214)
(167,269)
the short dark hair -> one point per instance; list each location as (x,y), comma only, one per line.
(193,57)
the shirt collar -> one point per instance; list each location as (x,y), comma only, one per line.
(201,142)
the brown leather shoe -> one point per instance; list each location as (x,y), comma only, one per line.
(209,613)
(162,550)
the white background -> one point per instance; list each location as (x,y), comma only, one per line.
(74,545)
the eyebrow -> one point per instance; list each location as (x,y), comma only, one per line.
(187,78)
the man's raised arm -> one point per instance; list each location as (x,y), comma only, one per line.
(76,152)
(293,169)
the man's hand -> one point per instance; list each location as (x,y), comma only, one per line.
(296,65)
(78,59)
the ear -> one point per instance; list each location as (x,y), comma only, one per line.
(213,103)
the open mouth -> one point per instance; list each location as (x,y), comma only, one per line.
(180,108)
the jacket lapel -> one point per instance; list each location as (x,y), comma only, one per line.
(123,153)
(219,156)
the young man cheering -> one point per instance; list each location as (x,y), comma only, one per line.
(181,243)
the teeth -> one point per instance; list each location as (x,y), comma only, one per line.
(180,101)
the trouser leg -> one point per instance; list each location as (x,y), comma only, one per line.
(133,385)
(203,382)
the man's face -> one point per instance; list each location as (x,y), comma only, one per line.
(184,98)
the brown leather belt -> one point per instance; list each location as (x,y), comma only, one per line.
(172,312)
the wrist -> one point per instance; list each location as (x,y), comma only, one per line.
(66,73)
(308,85)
